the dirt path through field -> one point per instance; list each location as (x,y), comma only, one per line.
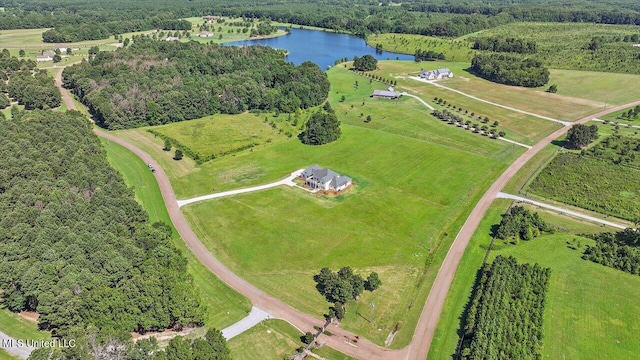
(342,340)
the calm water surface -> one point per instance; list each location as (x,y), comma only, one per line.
(322,48)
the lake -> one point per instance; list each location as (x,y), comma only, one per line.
(322,48)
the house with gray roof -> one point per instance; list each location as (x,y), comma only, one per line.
(324,179)
(436,74)
(386,94)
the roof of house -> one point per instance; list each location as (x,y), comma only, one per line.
(325,176)
(437,72)
(385,93)
(172,38)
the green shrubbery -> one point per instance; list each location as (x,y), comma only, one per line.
(620,250)
(521,224)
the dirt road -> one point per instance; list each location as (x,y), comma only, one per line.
(343,340)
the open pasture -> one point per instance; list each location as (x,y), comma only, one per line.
(520,127)
(404,210)
(454,50)
(220,134)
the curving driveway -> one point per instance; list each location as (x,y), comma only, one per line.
(344,340)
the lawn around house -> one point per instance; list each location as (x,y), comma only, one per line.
(582,295)
(224,306)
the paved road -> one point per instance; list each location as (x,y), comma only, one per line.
(502,195)
(10,345)
(492,103)
(255,317)
(419,347)
(341,339)
(288,182)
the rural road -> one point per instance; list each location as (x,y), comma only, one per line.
(343,340)
(502,195)
(255,317)
(492,103)
(288,182)
(419,99)
(10,345)
(419,347)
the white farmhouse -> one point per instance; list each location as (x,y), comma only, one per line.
(436,74)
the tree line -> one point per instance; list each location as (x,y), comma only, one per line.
(158,82)
(619,250)
(428,55)
(77,247)
(97,31)
(510,70)
(505,313)
(505,44)
(521,224)
(25,84)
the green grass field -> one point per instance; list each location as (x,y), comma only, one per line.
(223,305)
(219,134)
(389,205)
(18,327)
(564,45)
(617,117)
(582,320)
(271,339)
(519,127)
(454,50)
(6,356)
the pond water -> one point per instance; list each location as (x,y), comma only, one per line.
(322,48)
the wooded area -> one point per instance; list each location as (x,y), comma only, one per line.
(521,224)
(510,70)
(620,250)
(26,85)
(76,246)
(158,82)
(505,315)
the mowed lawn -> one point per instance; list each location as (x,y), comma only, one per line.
(605,88)
(454,50)
(519,127)
(410,196)
(269,340)
(223,306)
(6,356)
(588,315)
(218,134)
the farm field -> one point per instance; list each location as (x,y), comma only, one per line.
(454,50)
(565,45)
(219,134)
(519,127)
(590,183)
(569,310)
(536,101)
(224,306)
(224,30)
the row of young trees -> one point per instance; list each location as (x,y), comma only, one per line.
(78,249)
(158,82)
(453,119)
(510,70)
(521,224)
(505,44)
(619,250)
(505,314)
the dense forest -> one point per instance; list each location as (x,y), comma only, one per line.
(361,17)
(521,224)
(75,245)
(158,82)
(510,70)
(26,85)
(505,314)
(620,250)
(507,44)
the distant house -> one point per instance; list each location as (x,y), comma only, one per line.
(61,48)
(205,34)
(44,58)
(172,38)
(210,18)
(386,94)
(324,179)
(436,74)
(48,53)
